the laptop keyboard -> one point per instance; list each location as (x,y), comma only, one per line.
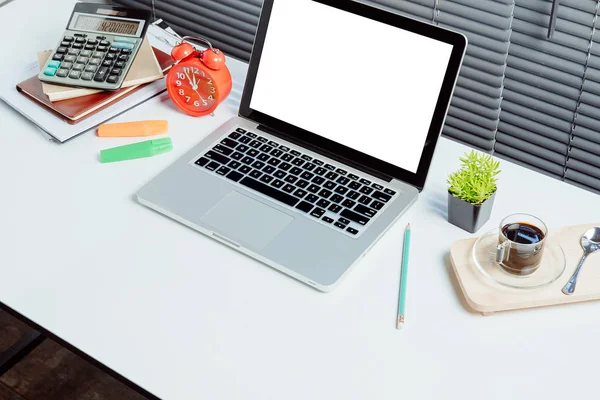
(342,200)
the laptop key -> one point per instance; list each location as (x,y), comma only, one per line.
(295,153)
(258,164)
(317,212)
(364,200)
(365,210)
(329,185)
(354,185)
(234,135)
(302,183)
(287,157)
(263,157)
(366,190)
(237,156)
(285,166)
(313,188)
(336,198)
(365,182)
(202,161)
(284,148)
(377,205)
(290,179)
(389,191)
(320,171)
(240,130)
(309,166)
(255,144)
(381,196)
(323,203)
(295,171)
(273,161)
(242,148)
(352,216)
(266,178)
(253,152)
(300,193)
(348,203)
(252,135)
(351,230)
(277,183)
(318,162)
(327,219)
(269,191)
(229,142)
(276,153)
(248,160)
(318,180)
(331,175)
(217,157)
(340,225)
(244,169)
(245,139)
(234,164)
(344,220)
(234,176)
(279,174)
(223,170)
(298,161)
(262,139)
(353,195)
(223,150)
(342,180)
(255,173)
(341,189)
(273,144)
(307,175)
(304,206)
(213,165)
(266,148)
(268,169)
(325,193)
(377,187)
(311,198)
(341,171)
(289,188)
(335,208)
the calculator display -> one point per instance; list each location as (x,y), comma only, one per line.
(102,24)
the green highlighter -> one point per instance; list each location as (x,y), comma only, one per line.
(147,148)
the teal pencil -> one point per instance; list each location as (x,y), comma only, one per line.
(402,294)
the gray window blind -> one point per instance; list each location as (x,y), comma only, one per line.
(520,95)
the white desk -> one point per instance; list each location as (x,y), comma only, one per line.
(187,318)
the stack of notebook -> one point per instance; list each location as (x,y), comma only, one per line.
(73,104)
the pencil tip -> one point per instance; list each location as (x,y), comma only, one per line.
(408,226)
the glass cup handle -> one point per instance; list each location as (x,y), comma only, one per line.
(502,251)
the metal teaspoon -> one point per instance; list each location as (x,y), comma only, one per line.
(590,241)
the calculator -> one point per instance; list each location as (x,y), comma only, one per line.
(97,48)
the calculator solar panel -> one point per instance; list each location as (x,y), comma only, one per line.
(98,47)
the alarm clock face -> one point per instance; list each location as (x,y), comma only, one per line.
(192,89)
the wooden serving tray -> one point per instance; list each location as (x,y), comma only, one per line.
(486,296)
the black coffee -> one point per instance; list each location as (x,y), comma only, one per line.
(522,232)
(523,261)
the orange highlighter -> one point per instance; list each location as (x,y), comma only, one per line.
(133,129)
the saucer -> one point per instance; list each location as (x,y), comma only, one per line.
(551,268)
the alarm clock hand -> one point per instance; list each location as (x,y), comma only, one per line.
(189,79)
(195,85)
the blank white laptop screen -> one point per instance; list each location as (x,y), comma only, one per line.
(361,83)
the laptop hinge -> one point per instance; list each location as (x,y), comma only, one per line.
(326,153)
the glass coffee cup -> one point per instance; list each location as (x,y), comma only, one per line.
(521,244)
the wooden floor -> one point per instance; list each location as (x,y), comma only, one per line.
(52,372)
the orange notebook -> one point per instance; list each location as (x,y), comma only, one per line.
(77,109)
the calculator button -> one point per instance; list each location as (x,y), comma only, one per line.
(101,74)
(77,46)
(113,50)
(102,48)
(87,76)
(73,52)
(98,54)
(68,38)
(104,43)
(63,72)
(90,47)
(65,44)
(62,50)
(74,74)
(78,67)
(85,53)
(70,58)
(116,71)
(53,64)
(50,71)
(112,79)
(125,51)
(122,46)
(123,57)
(80,40)
(95,61)
(92,41)
(106,63)
(120,39)
(82,60)
(110,56)
(90,68)
(120,64)
(66,65)
(58,56)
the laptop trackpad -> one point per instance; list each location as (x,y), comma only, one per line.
(246,221)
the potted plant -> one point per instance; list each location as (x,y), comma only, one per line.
(471,191)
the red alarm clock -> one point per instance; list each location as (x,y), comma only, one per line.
(200,80)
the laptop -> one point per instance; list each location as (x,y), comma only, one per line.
(340,114)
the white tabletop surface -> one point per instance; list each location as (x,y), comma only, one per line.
(188,318)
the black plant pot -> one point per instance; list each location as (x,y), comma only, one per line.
(468,216)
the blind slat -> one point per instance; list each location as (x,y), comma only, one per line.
(543,83)
(536,92)
(528,160)
(591,148)
(528,102)
(584,132)
(532,138)
(526,147)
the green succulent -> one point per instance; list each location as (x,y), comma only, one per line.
(475,181)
